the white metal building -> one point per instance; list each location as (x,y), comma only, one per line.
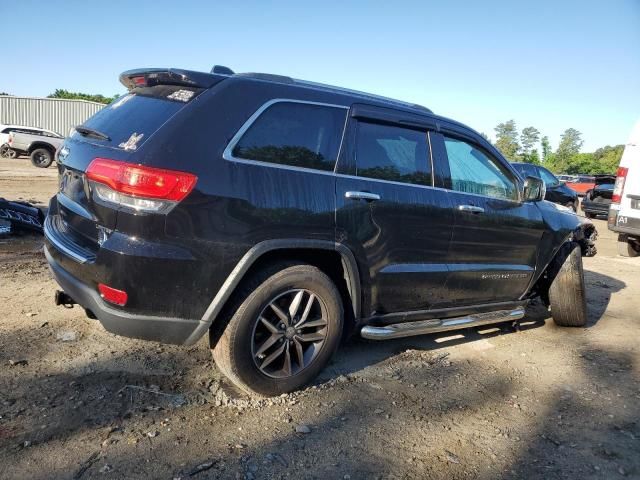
(57,114)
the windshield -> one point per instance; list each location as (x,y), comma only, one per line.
(548,178)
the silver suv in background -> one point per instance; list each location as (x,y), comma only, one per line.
(5,130)
(41,146)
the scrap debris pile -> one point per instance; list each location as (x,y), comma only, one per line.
(16,217)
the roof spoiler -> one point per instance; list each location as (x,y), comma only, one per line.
(148,77)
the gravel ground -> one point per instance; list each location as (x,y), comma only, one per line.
(544,402)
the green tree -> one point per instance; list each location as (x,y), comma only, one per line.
(528,138)
(534,157)
(570,144)
(581,163)
(60,93)
(5,93)
(608,158)
(546,149)
(507,140)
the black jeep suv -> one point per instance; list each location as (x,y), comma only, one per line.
(277,215)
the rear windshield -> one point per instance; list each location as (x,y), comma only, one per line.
(131,119)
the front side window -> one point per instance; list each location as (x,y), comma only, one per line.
(295,134)
(392,153)
(474,171)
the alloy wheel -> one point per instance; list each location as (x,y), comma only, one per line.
(290,332)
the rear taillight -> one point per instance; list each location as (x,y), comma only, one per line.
(138,187)
(621,176)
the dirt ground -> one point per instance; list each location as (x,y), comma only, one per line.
(544,402)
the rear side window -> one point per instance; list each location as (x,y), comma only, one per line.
(392,153)
(474,171)
(141,112)
(294,134)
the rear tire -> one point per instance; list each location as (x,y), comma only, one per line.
(567,292)
(41,158)
(237,351)
(626,248)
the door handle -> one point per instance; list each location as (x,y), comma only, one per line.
(470,209)
(368,196)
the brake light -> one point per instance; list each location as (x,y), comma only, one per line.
(139,81)
(137,186)
(112,295)
(621,176)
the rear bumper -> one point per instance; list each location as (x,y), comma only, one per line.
(620,222)
(596,207)
(159,329)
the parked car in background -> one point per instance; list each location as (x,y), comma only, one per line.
(597,200)
(5,130)
(624,213)
(304,211)
(557,191)
(565,178)
(40,146)
(581,183)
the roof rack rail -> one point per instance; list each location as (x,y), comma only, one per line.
(270,77)
(305,83)
(363,94)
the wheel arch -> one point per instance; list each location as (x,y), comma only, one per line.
(321,253)
(542,284)
(47,146)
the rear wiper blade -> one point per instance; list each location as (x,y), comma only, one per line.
(89,132)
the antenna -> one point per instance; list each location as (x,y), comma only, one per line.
(222,70)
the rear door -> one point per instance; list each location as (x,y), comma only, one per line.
(390,214)
(495,237)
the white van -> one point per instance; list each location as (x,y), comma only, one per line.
(624,213)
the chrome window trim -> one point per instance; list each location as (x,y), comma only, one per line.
(392,182)
(228,152)
(433,174)
(508,200)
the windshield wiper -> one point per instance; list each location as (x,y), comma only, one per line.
(89,132)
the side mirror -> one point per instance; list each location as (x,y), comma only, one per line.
(534,189)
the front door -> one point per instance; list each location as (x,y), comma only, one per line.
(496,235)
(391,217)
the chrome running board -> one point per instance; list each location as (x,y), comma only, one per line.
(422,327)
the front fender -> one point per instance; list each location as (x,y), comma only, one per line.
(562,226)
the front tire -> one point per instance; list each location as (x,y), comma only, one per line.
(41,158)
(567,292)
(287,325)
(626,248)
